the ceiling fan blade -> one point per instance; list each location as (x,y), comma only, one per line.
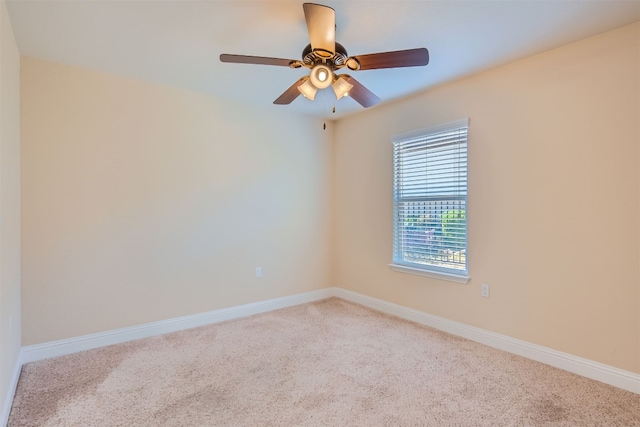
(292,93)
(361,94)
(261,60)
(394,59)
(321,24)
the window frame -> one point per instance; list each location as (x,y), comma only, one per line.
(399,263)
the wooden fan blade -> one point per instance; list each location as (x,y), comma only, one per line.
(290,94)
(361,94)
(260,60)
(321,24)
(394,59)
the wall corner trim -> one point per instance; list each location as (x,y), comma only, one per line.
(616,377)
(11,392)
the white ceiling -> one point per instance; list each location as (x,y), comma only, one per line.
(178,42)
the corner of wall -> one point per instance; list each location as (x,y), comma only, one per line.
(10,292)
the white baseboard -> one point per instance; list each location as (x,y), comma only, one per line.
(607,374)
(587,368)
(8,399)
(50,349)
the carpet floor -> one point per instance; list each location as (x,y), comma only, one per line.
(327,363)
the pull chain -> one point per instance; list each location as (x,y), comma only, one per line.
(324,109)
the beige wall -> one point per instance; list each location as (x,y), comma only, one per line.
(9,202)
(143,202)
(553,199)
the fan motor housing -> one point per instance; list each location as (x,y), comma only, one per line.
(311,57)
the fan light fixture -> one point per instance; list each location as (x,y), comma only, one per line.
(321,76)
(341,86)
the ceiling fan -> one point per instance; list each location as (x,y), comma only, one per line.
(324,56)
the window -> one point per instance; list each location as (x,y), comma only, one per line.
(430,201)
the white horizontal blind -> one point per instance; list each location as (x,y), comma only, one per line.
(430,198)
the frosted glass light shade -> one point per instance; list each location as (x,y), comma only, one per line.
(308,90)
(341,86)
(321,76)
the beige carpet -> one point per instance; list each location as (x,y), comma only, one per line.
(329,363)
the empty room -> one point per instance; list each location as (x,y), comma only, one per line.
(354,213)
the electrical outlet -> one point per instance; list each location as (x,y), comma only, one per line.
(484,290)
(258,271)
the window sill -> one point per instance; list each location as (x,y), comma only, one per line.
(458,278)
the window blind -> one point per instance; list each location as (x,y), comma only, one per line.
(430,198)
